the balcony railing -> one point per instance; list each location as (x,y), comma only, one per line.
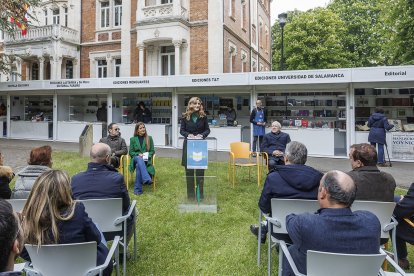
(44,33)
(155,10)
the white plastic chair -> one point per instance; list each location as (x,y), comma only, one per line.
(107,214)
(383,211)
(277,223)
(75,259)
(17,204)
(326,264)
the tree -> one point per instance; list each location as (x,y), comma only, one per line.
(364,21)
(400,31)
(312,40)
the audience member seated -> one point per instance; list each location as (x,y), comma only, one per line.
(141,150)
(101,180)
(53,217)
(11,239)
(274,143)
(405,232)
(6,175)
(372,184)
(39,162)
(293,180)
(334,228)
(116,143)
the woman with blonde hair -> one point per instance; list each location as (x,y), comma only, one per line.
(51,216)
(141,150)
(194,125)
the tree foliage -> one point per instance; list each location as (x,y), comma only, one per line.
(312,40)
(348,33)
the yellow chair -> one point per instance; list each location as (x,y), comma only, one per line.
(128,176)
(241,151)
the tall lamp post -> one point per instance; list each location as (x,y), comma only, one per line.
(282,22)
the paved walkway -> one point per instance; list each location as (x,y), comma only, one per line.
(16,153)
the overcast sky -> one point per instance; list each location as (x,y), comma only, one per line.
(279,6)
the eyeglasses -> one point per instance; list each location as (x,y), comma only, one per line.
(116,129)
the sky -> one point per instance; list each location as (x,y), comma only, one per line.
(279,6)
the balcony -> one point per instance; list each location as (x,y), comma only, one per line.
(42,33)
(154,10)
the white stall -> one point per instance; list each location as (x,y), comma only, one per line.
(31,130)
(69,131)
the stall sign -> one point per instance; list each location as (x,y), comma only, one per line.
(22,85)
(134,82)
(72,84)
(208,80)
(380,74)
(197,154)
(403,146)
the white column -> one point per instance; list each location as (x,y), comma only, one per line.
(52,68)
(174,118)
(185,59)
(41,67)
(8,115)
(19,68)
(177,45)
(58,68)
(92,68)
(75,68)
(155,63)
(109,104)
(141,48)
(176,8)
(55,115)
(109,65)
(28,67)
(150,58)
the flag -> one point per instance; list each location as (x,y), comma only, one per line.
(22,25)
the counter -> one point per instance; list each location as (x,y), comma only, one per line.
(318,141)
(69,131)
(31,130)
(161,133)
(3,126)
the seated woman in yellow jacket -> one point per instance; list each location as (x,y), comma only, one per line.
(141,150)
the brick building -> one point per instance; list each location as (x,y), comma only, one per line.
(122,38)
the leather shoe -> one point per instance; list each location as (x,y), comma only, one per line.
(404,264)
(255,230)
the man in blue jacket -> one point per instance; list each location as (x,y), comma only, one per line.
(333,228)
(293,180)
(274,144)
(101,180)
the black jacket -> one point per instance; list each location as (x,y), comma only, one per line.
(405,209)
(289,181)
(275,141)
(189,127)
(116,143)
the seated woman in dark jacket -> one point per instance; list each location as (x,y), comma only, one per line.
(6,175)
(53,217)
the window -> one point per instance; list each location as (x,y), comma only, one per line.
(117,67)
(261,34)
(266,39)
(14,75)
(254,65)
(45,17)
(232,8)
(104,14)
(167,60)
(69,69)
(232,57)
(243,58)
(166,1)
(254,34)
(56,16)
(66,16)
(102,69)
(244,15)
(118,13)
(35,71)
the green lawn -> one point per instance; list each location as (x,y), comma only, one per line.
(171,243)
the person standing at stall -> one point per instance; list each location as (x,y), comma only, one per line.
(142,113)
(378,124)
(194,125)
(258,118)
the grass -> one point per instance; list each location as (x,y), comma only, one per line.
(172,243)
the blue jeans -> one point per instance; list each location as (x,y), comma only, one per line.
(142,174)
(381,157)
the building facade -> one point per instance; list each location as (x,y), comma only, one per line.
(124,38)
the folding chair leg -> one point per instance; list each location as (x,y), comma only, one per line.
(117,260)
(125,248)
(269,257)
(259,238)
(280,269)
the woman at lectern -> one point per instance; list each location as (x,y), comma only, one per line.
(194,125)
